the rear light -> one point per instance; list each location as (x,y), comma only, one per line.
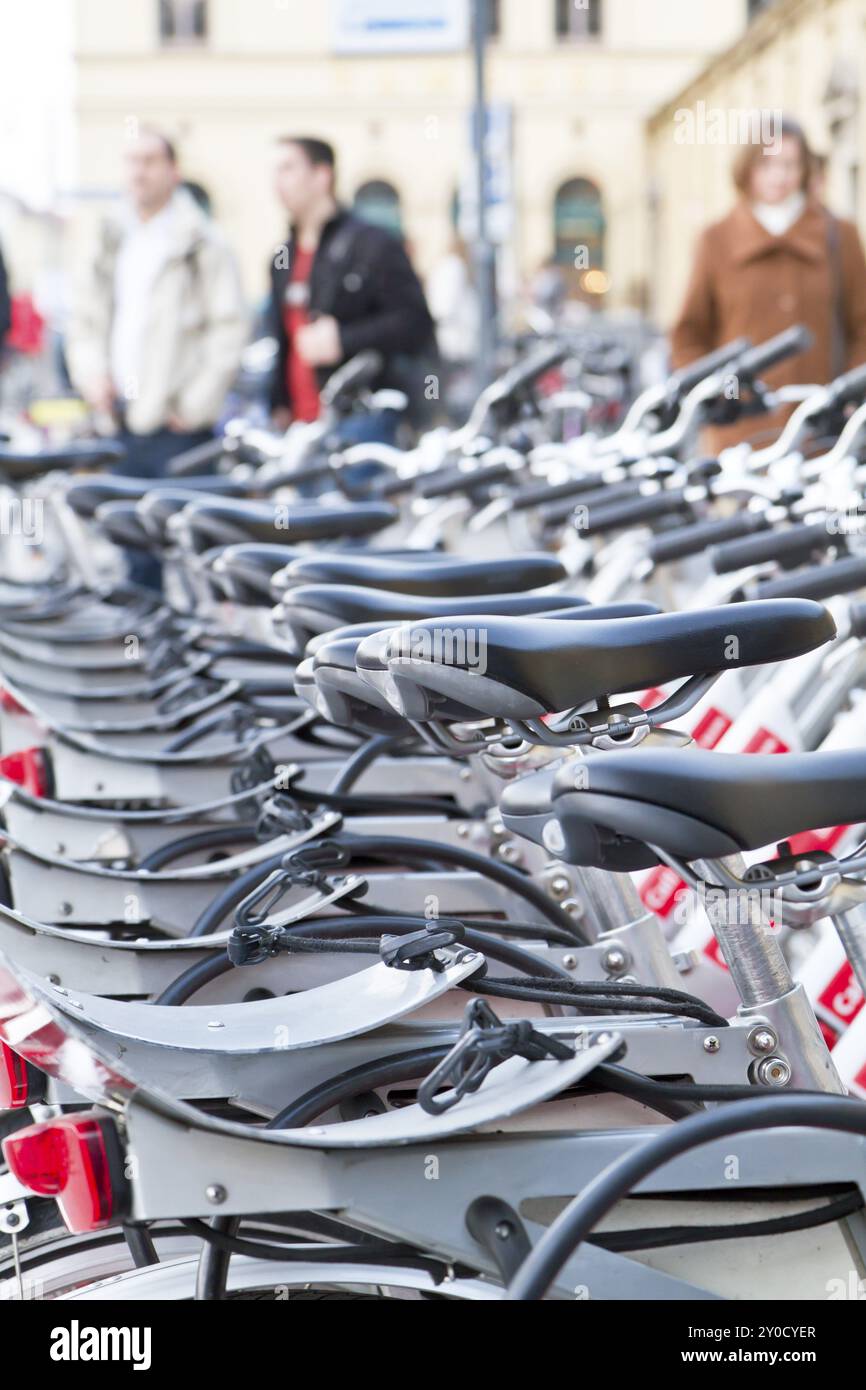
(77,1159)
(29,767)
(20,1083)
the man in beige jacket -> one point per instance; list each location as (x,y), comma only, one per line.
(159,322)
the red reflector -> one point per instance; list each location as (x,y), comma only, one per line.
(20,1082)
(765,741)
(76,1159)
(29,768)
(14,1080)
(9,703)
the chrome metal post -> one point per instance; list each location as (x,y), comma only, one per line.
(851,927)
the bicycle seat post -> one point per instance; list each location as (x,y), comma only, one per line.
(616,917)
(763,981)
(851,929)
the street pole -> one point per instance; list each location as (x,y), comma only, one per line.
(484,256)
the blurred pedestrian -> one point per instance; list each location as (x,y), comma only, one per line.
(456,313)
(340,286)
(778,259)
(158,323)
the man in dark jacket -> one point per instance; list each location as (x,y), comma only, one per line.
(339,286)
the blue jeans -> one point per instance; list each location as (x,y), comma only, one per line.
(379,427)
(148,456)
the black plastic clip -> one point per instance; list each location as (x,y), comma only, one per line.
(484,1041)
(280,815)
(416,950)
(253,945)
(311,863)
(305,866)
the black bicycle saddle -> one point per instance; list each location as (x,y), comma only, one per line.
(437,577)
(701,805)
(523,667)
(225,522)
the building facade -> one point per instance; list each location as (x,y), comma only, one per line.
(571,86)
(805,58)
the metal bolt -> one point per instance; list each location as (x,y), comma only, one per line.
(573,907)
(773,1071)
(615,960)
(510,853)
(59,849)
(711,1044)
(560,886)
(504,1230)
(570,962)
(465,774)
(215,1193)
(762,1041)
(462,832)
(685,961)
(12,1219)
(53,979)
(497,830)
(66,909)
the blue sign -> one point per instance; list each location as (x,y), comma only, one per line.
(400,26)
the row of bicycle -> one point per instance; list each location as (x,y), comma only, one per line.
(411,900)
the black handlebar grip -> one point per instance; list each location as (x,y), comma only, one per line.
(786,344)
(359,371)
(195,460)
(554,513)
(822,581)
(795,545)
(683,381)
(693,540)
(631,512)
(455,480)
(536,494)
(850,387)
(536,365)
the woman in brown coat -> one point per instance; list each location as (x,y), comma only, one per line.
(777,259)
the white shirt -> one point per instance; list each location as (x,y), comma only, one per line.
(454,306)
(776,218)
(143,252)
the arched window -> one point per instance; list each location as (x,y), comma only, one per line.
(182,21)
(575,21)
(579,226)
(379,202)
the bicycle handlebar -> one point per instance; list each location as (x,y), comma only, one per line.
(525,373)
(556,512)
(788,343)
(358,372)
(792,546)
(456,480)
(693,540)
(196,460)
(847,388)
(631,512)
(681,382)
(819,582)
